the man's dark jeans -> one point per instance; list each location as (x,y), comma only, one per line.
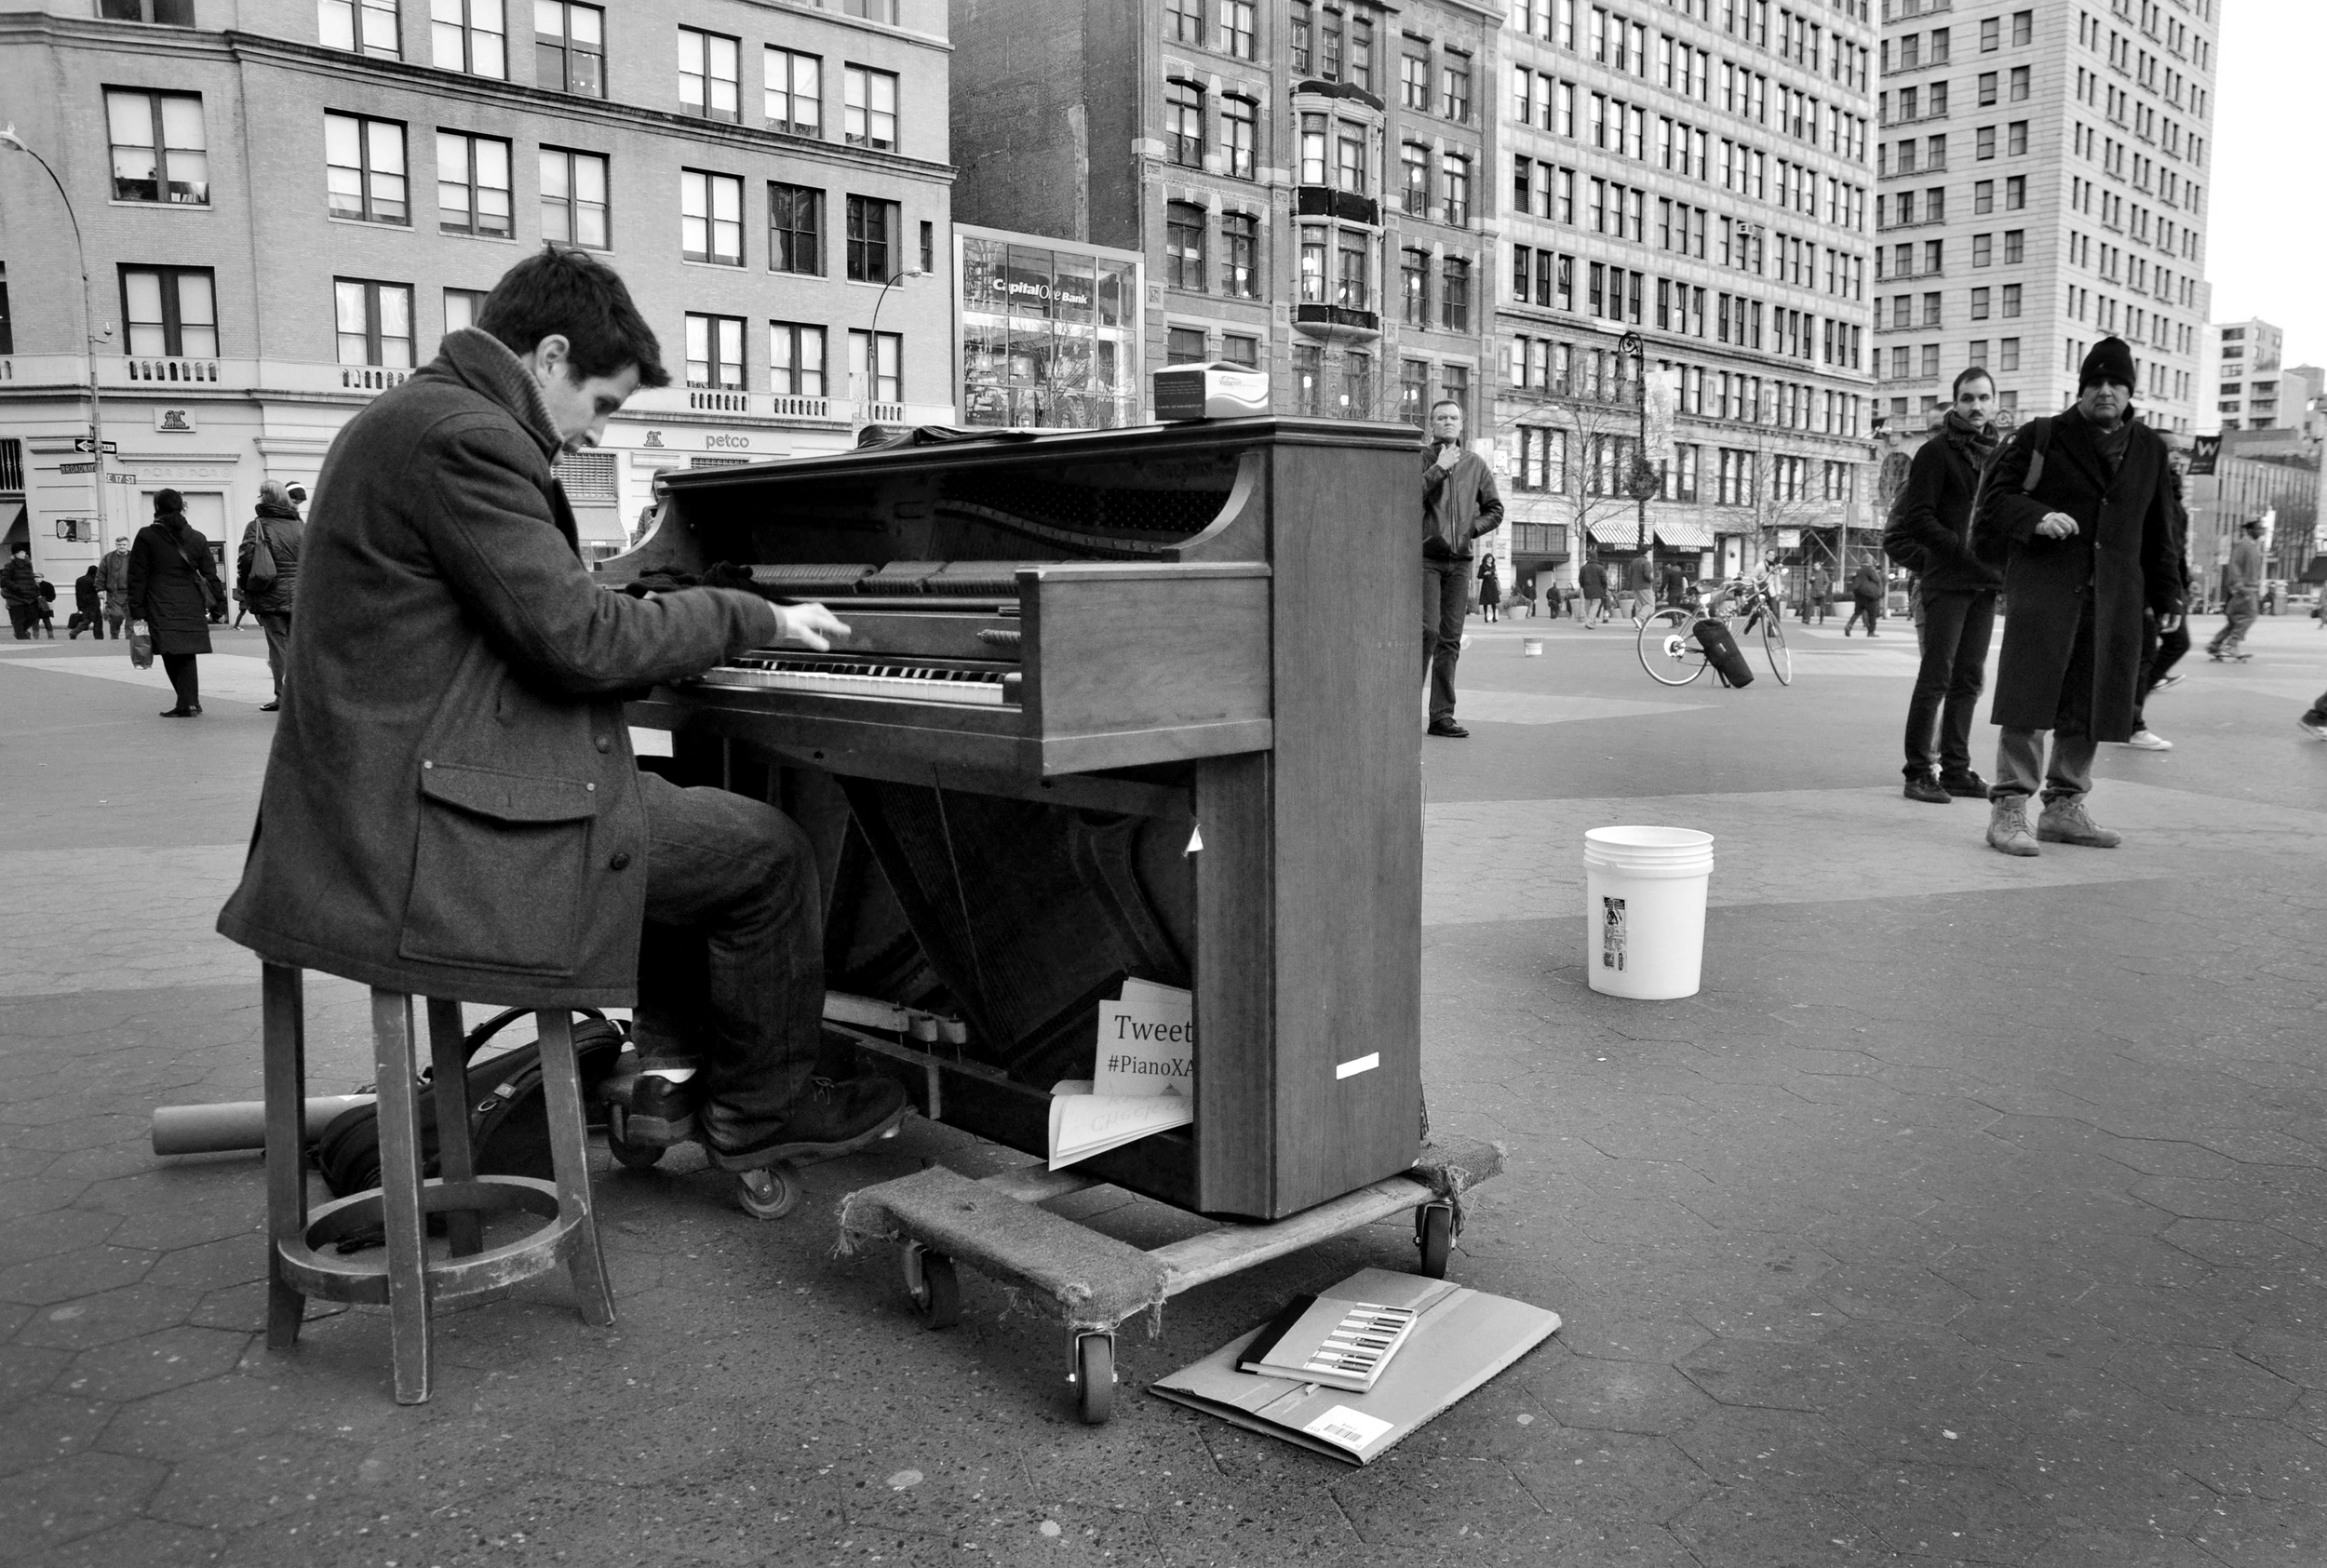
(730,967)
(2160,653)
(1445,603)
(1956,626)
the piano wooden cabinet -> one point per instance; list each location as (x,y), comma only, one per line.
(1076,658)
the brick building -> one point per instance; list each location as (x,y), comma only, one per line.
(251,180)
(1305,181)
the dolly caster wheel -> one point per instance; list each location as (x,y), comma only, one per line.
(933,1284)
(1094,1378)
(768,1193)
(1433,1232)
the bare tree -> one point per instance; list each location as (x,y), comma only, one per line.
(1582,464)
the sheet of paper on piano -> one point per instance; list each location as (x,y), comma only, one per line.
(1082,1124)
(1147,1042)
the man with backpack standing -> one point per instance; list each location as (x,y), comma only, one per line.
(2081,505)
(1930,534)
(267,573)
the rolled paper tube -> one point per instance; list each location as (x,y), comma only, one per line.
(238,1124)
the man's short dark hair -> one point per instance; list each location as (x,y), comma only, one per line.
(573,295)
(1446,402)
(1971,373)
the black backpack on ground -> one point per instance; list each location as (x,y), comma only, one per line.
(1722,653)
(508,1122)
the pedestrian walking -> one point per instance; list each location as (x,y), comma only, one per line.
(266,573)
(1640,577)
(1931,523)
(1591,583)
(174,589)
(1867,597)
(2161,650)
(1490,590)
(113,580)
(88,608)
(1820,592)
(1552,598)
(19,589)
(2243,582)
(2080,503)
(1460,502)
(46,606)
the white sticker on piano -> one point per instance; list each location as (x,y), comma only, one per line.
(1348,1429)
(1195,842)
(649,742)
(1364,1063)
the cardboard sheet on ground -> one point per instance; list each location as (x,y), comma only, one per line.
(1463,1338)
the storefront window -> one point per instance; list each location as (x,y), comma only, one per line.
(1047,336)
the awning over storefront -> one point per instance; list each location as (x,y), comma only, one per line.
(1622,533)
(1683,536)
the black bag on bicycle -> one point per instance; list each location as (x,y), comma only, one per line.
(1721,652)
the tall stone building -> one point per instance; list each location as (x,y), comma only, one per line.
(1695,176)
(283,204)
(2043,184)
(1305,180)
(2245,383)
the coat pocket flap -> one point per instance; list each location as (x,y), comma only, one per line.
(488,792)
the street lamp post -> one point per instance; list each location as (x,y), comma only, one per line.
(1630,346)
(872,346)
(89,335)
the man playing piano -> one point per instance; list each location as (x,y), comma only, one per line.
(451,808)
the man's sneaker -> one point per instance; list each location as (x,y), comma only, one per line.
(1966,785)
(2147,740)
(832,1118)
(2167,682)
(1446,728)
(2314,723)
(2065,822)
(1924,788)
(2008,826)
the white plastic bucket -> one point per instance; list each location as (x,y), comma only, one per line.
(1645,910)
(1531,648)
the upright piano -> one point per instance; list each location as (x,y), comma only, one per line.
(1132,702)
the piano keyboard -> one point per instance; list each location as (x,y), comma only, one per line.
(850,677)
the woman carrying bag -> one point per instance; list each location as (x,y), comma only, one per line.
(173,590)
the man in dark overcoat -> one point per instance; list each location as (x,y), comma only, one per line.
(451,808)
(2088,546)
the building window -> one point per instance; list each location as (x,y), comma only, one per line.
(2019,84)
(1353,282)
(2015,242)
(1414,286)
(1413,391)
(1309,374)
(2008,354)
(2016,137)
(1300,32)
(1357,386)
(1239,121)
(711,217)
(570,47)
(374,322)
(2024,27)
(1313,164)
(473,185)
(871,108)
(796,229)
(876,369)
(1991,34)
(573,199)
(1183,21)
(707,71)
(1979,304)
(363,26)
(1236,29)
(1983,249)
(715,351)
(1183,244)
(1183,123)
(1183,346)
(1454,294)
(873,226)
(1241,351)
(1983,196)
(1454,87)
(1360,73)
(1454,183)
(793,97)
(1349,157)
(364,162)
(1414,160)
(469,35)
(871,10)
(170,311)
(461,307)
(795,359)
(159,152)
(2011,301)
(2015,193)
(929,247)
(1414,75)
(1454,386)
(1239,256)
(1312,263)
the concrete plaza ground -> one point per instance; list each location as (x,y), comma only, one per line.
(1974,1212)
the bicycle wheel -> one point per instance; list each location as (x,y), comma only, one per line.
(1773,644)
(1670,655)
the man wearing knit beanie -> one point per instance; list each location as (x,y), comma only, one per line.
(2079,509)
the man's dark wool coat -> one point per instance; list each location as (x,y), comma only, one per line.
(2073,607)
(1934,512)
(450,807)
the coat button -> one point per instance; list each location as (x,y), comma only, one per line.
(621,861)
(604,743)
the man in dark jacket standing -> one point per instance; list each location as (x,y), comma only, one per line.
(113,580)
(1460,502)
(19,589)
(277,522)
(1932,516)
(2081,503)
(1867,597)
(451,808)
(1591,584)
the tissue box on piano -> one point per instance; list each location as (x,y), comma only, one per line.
(1210,392)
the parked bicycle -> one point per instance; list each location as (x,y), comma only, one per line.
(1672,654)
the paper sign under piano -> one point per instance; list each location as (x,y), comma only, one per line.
(1082,1124)
(1147,1042)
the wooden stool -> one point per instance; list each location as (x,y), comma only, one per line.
(300,1261)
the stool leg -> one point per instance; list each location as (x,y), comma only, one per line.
(455,1160)
(568,1152)
(283,1032)
(399,1192)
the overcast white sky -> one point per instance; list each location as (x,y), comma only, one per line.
(2267,238)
